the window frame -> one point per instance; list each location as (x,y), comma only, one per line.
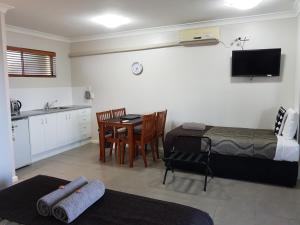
(52,56)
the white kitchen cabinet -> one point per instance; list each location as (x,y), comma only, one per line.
(50,131)
(68,128)
(63,128)
(74,126)
(36,129)
(84,117)
(42,133)
(55,130)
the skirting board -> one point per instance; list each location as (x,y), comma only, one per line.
(95,141)
(15,179)
(57,151)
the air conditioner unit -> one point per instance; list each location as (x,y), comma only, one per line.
(196,37)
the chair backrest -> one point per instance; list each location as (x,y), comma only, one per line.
(117,113)
(105,115)
(161,122)
(148,132)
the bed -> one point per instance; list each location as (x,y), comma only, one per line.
(246,154)
(18,203)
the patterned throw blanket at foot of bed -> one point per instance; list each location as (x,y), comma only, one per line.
(243,142)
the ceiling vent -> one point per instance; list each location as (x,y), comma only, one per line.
(198,37)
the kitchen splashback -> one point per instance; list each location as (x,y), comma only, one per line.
(36,98)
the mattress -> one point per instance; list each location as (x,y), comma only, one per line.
(18,204)
(242,142)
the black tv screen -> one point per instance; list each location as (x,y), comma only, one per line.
(260,62)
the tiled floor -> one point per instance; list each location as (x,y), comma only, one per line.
(229,202)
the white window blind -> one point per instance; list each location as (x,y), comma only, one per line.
(24,62)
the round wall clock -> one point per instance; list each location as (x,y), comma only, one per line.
(137,68)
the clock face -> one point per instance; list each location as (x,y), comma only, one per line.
(137,68)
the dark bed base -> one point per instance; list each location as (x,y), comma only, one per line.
(251,169)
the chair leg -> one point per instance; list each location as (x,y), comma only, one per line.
(136,151)
(122,153)
(156,147)
(153,150)
(119,154)
(144,154)
(111,149)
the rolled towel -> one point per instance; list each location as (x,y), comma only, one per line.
(73,206)
(46,203)
(193,126)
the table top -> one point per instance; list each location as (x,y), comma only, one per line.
(120,122)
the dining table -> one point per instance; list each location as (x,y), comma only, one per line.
(117,123)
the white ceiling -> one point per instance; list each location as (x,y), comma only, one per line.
(71,18)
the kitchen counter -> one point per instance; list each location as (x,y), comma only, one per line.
(37,112)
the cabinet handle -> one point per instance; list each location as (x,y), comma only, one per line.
(46,120)
(42,121)
(69,116)
(66,116)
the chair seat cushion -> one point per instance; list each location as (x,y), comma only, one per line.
(108,133)
(121,130)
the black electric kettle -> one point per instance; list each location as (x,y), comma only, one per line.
(15,106)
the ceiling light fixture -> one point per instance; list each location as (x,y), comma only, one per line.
(111,21)
(242,4)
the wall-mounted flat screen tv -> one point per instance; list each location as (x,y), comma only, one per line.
(258,62)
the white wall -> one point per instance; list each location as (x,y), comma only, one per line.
(35,92)
(194,84)
(297,80)
(6,150)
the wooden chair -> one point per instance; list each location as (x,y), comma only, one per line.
(147,135)
(160,128)
(117,113)
(110,137)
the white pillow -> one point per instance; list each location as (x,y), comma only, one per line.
(291,124)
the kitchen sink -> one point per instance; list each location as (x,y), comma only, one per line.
(60,107)
(54,108)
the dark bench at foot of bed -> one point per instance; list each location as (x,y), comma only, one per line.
(18,204)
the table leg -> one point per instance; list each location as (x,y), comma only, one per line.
(131,145)
(102,143)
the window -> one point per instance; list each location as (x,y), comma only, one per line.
(23,62)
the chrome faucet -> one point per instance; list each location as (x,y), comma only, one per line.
(48,105)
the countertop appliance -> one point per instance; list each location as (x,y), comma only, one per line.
(15,106)
(21,142)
